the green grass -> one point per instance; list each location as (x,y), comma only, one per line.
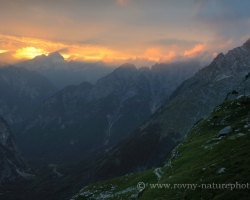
(197,160)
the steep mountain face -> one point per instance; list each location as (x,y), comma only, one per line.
(197,97)
(20,92)
(80,119)
(243,89)
(62,73)
(211,163)
(12,165)
(191,102)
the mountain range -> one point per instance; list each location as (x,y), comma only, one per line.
(191,102)
(132,120)
(182,118)
(118,103)
(63,73)
(151,144)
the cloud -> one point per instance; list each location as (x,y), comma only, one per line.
(123,2)
(148,31)
(227,21)
(6,44)
(28,52)
(7,57)
(3,51)
(198,49)
(64,50)
(174,41)
(172,55)
(245,38)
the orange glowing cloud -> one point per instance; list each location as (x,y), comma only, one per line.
(7,44)
(159,55)
(2,51)
(194,51)
(153,54)
(28,52)
(215,54)
(14,43)
(28,48)
(92,53)
(170,57)
(123,2)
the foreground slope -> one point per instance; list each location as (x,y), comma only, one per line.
(215,152)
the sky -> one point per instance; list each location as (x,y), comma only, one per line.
(117,31)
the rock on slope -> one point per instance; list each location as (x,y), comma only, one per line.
(199,167)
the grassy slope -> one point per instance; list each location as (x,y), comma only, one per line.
(197,160)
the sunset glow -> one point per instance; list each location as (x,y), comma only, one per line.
(118,31)
(28,52)
(2,51)
(193,52)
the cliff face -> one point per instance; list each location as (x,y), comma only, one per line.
(12,165)
(21,91)
(243,89)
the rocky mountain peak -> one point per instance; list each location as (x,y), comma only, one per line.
(56,55)
(126,71)
(40,57)
(218,58)
(127,66)
(247,44)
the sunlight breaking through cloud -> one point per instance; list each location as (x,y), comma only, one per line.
(29,52)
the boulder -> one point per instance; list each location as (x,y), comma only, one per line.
(225,131)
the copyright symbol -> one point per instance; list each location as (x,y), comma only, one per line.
(141,185)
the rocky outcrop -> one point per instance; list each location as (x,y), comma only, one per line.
(225,131)
(243,89)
